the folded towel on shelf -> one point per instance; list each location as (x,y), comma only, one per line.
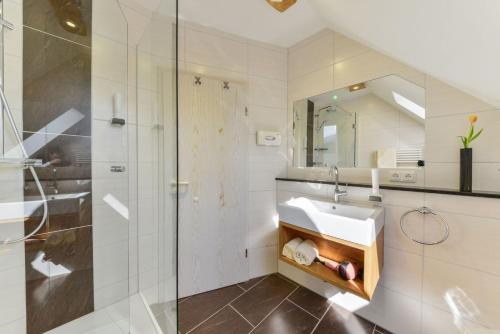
(290,247)
(306,253)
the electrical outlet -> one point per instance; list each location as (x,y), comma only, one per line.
(396,176)
(409,176)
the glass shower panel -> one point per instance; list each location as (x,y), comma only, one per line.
(157,166)
(66,84)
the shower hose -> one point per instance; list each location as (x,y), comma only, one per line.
(31,169)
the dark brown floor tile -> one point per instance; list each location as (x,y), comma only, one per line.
(287,319)
(380,330)
(341,321)
(199,307)
(310,301)
(250,283)
(263,298)
(226,321)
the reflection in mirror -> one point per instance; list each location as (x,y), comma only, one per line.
(374,124)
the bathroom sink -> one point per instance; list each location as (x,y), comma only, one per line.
(355,223)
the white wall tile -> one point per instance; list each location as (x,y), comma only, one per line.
(13,39)
(402,272)
(442,99)
(267,118)
(435,320)
(109,60)
(472,242)
(262,261)
(108,20)
(208,49)
(310,84)
(267,63)
(262,175)
(310,57)
(448,286)
(262,219)
(345,48)
(267,92)
(110,264)
(259,153)
(112,142)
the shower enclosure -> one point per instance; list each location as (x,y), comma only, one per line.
(88,166)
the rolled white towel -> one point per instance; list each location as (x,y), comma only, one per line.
(306,253)
(290,247)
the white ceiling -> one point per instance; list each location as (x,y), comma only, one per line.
(455,41)
(255,19)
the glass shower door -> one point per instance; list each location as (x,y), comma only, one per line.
(157,166)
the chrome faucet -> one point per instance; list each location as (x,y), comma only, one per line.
(337,193)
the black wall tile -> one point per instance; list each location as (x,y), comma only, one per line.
(52,299)
(56,85)
(50,16)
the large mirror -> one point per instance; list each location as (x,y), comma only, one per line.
(374,124)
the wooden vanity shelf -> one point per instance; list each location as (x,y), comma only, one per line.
(370,258)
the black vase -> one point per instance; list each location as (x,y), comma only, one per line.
(466,169)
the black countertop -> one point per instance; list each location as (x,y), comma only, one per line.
(405,188)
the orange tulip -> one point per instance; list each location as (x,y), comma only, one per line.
(472,119)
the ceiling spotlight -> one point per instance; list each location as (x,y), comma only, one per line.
(281,5)
(70,24)
(357,87)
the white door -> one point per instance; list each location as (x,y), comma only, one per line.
(213,207)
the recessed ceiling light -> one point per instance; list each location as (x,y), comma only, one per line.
(70,24)
(335,97)
(356,87)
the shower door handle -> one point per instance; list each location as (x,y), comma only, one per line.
(182,185)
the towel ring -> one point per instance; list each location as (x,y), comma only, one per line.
(425,211)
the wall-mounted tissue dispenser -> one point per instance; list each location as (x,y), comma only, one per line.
(268,138)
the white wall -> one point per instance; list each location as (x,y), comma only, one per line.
(416,283)
(262,69)
(12,272)
(330,60)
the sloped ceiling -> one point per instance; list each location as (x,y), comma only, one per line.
(254,19)
(456,41)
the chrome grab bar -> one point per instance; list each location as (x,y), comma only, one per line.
(425,211)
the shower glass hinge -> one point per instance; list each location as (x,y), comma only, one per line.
(246,252)
(246,111)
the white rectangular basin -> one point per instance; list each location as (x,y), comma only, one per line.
(357,224)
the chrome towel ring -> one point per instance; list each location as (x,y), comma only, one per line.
(425,211)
